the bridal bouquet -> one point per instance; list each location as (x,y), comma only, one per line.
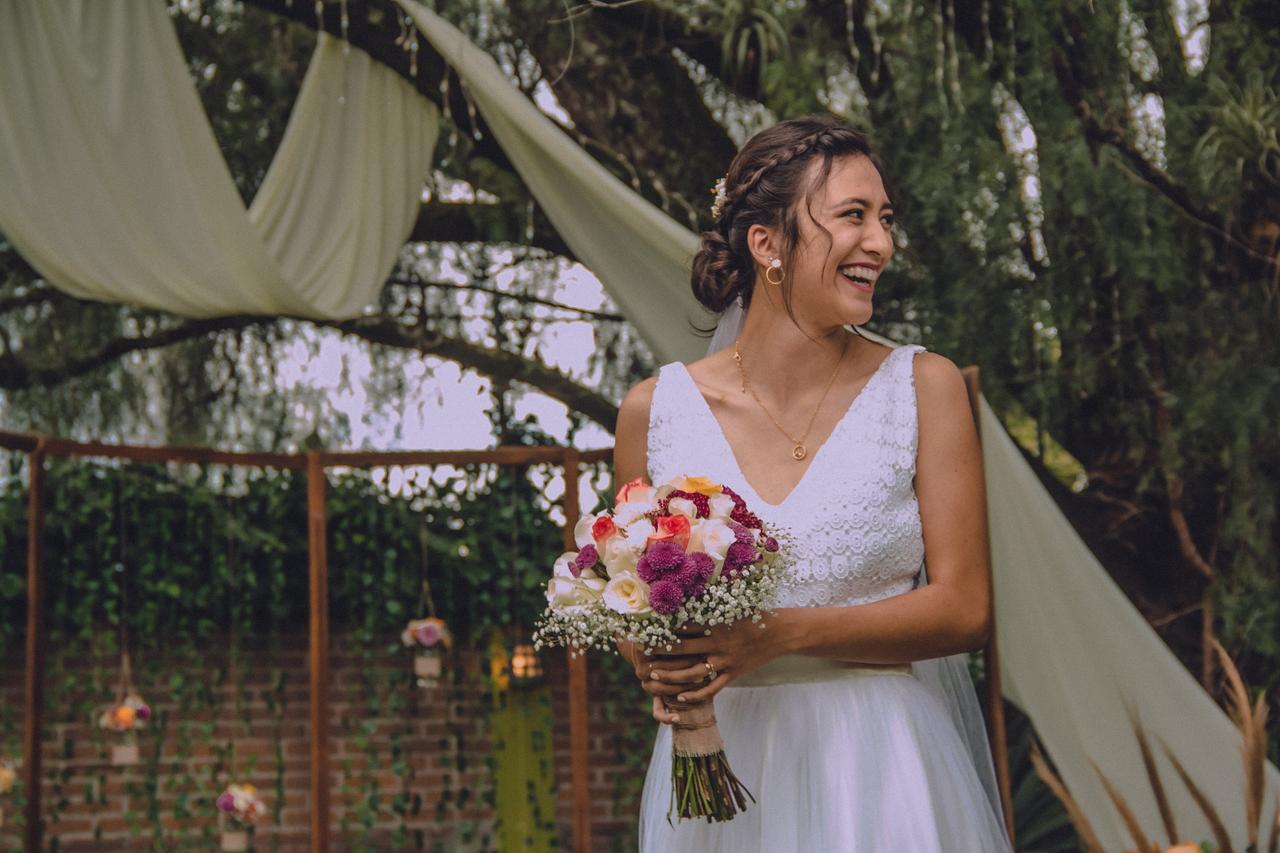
(685,552)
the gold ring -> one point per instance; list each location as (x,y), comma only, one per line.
(711,670)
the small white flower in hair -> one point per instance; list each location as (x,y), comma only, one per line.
(717,206)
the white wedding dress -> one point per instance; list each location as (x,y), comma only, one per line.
(839,758)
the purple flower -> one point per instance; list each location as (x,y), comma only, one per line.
(739,555)
(743,533)
(226,802)
(660,560)
(770,543)
(143,712)
(694,573)
(665,597)
(586,558)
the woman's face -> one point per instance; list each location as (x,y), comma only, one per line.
(834,278)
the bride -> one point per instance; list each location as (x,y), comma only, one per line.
(849,717)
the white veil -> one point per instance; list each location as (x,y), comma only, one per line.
(947,677)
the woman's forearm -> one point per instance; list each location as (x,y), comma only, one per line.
(929,622)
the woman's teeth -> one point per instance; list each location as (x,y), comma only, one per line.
(863,278)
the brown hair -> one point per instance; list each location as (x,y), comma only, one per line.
(762,187)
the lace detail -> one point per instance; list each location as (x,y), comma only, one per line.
(850,530)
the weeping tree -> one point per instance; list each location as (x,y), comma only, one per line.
(1089,212)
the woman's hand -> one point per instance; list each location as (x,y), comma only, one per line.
(732,650)
(644,665)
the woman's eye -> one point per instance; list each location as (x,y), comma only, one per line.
(888,220)
(857,213)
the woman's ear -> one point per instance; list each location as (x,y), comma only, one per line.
(763,243)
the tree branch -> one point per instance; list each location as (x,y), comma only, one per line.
(585,313)
(495,363)
(1098,132)
(17,375)
(452,222)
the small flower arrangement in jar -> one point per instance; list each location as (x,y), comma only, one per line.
(428,638)
(8,776)
(239,806)
(125,717)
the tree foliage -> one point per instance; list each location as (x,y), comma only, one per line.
(1090,213)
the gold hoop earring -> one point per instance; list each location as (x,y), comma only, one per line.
(774,264)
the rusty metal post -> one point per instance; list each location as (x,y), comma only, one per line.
(33,717)
(319,652)
(997,734)
(578,740)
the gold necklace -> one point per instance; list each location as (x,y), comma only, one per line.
(798,452)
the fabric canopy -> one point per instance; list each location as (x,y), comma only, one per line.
(113,187)
(640,254)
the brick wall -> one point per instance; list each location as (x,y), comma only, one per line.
(426,754)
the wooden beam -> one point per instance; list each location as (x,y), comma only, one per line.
(997,734)
(319,653)
(512,455)
(33,712)
(578,740)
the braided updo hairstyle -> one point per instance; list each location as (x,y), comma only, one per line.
(762,186)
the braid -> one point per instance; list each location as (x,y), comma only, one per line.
(821,139)
(761,187)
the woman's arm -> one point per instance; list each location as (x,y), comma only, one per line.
(951,614)
(631,460)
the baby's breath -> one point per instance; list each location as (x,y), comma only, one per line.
(595,626)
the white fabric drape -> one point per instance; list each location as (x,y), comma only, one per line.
(1074,652)
(640,254)
(112,185)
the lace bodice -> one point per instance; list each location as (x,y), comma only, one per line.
(850,529)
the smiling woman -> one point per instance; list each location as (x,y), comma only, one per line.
(821,714)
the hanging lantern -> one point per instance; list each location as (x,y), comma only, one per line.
(429,638)
(7,777)
(526,667)
(239,806)
(126,717)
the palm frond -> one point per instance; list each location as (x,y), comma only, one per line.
(1084,829)
(1206,807)
(1153,775)
(1122,806)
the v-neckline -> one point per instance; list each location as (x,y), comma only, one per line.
(813,461)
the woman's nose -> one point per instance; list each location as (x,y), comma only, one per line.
(878,238)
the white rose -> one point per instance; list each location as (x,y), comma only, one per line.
(720,505)
(582,531)
(567,592)
(561,569)
(683,506)
(627,593)
(619,555)
(629,513)
(714,537)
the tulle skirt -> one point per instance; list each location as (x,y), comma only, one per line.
(838,758)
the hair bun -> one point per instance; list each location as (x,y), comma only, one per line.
(716,278)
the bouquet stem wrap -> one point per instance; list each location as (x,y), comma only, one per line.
(702,785)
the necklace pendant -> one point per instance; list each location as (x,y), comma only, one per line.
(799,452)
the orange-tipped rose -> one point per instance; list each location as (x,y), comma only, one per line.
(124,716)
(671,528)
(624,493)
